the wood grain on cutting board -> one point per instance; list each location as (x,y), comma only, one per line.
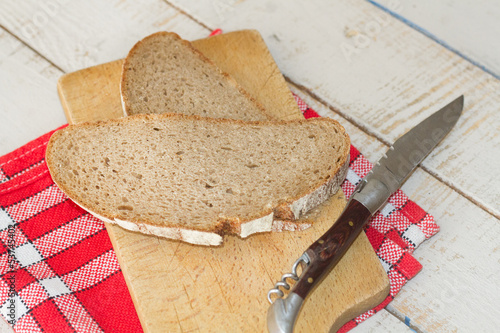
(182,287)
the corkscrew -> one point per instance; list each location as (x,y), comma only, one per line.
(304,261)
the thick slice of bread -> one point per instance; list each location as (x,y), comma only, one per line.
(164,73)
(196,179)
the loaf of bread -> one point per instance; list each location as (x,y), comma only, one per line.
(196,179)
(164,73)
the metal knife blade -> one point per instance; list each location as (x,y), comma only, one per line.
(390,172)
(372,192)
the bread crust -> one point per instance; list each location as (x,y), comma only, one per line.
(287,211)
(124,99)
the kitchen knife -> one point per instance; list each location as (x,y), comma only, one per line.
(370,195)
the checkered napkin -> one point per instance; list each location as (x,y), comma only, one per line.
(58,270)
(59,273)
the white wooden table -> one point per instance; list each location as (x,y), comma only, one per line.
(348,59)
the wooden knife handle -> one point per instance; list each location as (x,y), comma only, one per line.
(326,252)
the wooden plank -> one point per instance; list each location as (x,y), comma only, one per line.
(462,271)
(77,35)
(180,286)
(469,27)
(381,74)
(460,264)
(29,106)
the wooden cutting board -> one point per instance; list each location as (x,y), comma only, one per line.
(181,287)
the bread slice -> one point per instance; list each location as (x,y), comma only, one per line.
(197,179)
(164,73)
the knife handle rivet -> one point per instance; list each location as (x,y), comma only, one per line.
(351,223)
(310,280)
(321,241)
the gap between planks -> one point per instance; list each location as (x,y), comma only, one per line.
(404,318)
(191,17)
(420,28)
(2,27)
(388,144)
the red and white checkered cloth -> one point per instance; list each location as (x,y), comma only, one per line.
(58,270)
(59,273)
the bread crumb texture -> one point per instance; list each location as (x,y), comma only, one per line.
(195,173)
(163,73)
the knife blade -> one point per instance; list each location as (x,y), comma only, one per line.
(372,192)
